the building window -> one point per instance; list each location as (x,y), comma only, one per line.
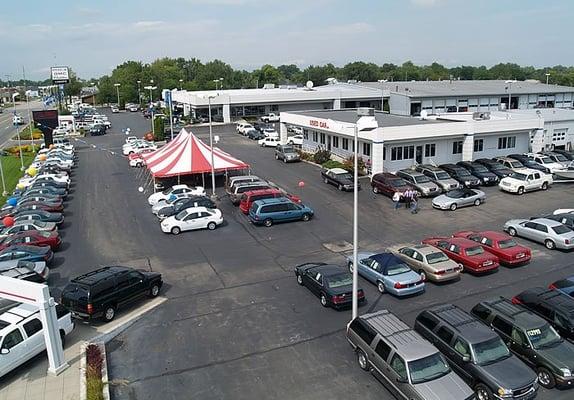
(430,150)
(254,110)
(322,138)
(305,134)
(506,142)
(478,145)
(315,137)
(457,147)
(396,153)
(345,144)
(409,152)
(336,141)
(367,149)
(274,107)
(402,153)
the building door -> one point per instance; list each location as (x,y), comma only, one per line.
(329,142)
(419,154)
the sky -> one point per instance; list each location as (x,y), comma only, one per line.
(92,37)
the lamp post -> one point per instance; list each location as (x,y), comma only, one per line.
(547,76)
(151,89)
(117,85)
(30,121)
(209,97)
(139,93)
(181,84)
(216,82)
(221,83)
(18,132)
(94,94)
(509,87)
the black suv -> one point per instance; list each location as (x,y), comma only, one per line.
(97,130)
(486,177)
(99,293)
(183,203)
(495,167)
(532,339)
(555,307)
(461,175)
(476,353)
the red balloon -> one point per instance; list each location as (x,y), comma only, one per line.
(301,183)
(8,221)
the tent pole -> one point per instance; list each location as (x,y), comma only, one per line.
(179,179)
(203,179)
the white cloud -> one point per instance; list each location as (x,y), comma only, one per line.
(147,25)
(427,3)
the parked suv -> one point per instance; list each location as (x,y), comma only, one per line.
(477,354)
(286,153)
(410,367)
(387,184)
(461,174)
(239,189)
(270,211)
(486,177)
(555,307)
(248,198)
(421,182)
(495,167)
(510,163)
(532,339)
(438,176)
(101,292)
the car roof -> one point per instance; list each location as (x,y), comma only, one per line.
(410,172)
(494,235)
(388,175)
(407,342)
(179,187)
(462,242)
(424,249)
(545,221)
(275,200)
(472,329)
(555,298)
(430,167)
(526,170)
(338,171)
(261,191)
(329,269)
(96,276)
(15,315)
(519,315)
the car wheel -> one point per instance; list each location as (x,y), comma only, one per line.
(268,222)
(175,230)
(285,160)
(380,287)
(350,265)
(453,206)
(545,378)
(362,360)
(550,245)
(109,313)
(477,202)
(323,300)
(211,226)
(512,231)
(154,290)
(423,275)
(326,180)
(520,191)
(545,186)
(483,392)
(299,279)
(375,190)
(305,217)
(276,157)
(340,187)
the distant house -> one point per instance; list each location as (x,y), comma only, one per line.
(88,94)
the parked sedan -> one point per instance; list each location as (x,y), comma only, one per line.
(39,215)
(456,198)
(182,204)
(339,177)
(27,226)
(527,162)
(191,219)
(40,199)
(461,175)
(175,190)
(467,252)
(503,246)
(41,191)
(254,134)
(33,238)
(27,253)
(428,261)
(331,283)
(31,205)
(564,218)
(552,234)
(389,273)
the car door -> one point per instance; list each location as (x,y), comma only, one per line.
(137,284)
(191,222)
(13,351)
(365,269)
(35,337)
(316,282)
(398,376)
(293,211)
(528,230)
(124,289)
(380,362)
(458,354)
(540,233)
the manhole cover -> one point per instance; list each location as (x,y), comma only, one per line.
(338,247)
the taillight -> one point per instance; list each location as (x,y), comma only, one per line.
(552,286)
(338,298)
(566,241)
(399,285)
(360,293)
(516,300)
(90,308)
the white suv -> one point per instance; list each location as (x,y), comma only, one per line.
(22,336)
(525,180)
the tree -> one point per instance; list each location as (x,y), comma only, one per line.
(289,72)
(74,87)
(361,71)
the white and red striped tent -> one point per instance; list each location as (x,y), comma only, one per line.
(187,155)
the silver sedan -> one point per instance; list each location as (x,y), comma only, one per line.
(456,198)
(552,234)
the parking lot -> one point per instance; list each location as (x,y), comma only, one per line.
(236,324)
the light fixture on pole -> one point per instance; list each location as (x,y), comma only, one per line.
(139,93)
(547,76)
(94,90)
(209,97)
(14,95)
(117,85)
(509,87)
(151,89)
(4,192)
(181,84)
(216,82)
(30,124)
(220,83)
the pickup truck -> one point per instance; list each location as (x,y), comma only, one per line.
(525,180)
(22,335)
(271,117)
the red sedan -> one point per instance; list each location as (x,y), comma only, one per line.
(501,245)
(33,238)
(36,205)
(467,252)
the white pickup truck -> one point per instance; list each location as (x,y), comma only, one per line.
(525,180)
(22,335)
(271,117)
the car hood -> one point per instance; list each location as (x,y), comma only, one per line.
(510,373)
(426,185)
(448,387)
(561,355)
(515,222)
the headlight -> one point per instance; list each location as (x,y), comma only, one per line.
(467,182)
(426,190)
(504,392)
(566,372)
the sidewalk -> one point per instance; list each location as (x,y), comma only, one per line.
(31,381)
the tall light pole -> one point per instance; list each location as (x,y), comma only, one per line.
(216,82)
(209,97)
(139,93)
(181,84)
(117,85)
(30,121)
(18,132)
(509,87)
(151,88)
(547,76)
(94,88)
(221,83)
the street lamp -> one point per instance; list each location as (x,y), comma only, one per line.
(509,87)
(94,94)
(14,95)
(547,76)
(30,120)
(151,89)
(221,83)
(139,93)
(181,84)
(216,81)
(209,97)
(117,85)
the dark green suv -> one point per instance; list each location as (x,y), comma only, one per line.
(532,339)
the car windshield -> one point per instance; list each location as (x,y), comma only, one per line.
(345,176)
(422,179)
(561,229)
(397,183)
(462,172)
(181,215)
(479,168)
(560,157)
(167,191)
(288,150)
(455,194)
(545,160)
(45,234)
(490,351)
(397,269)
(545,336)
(496,166)
(515,164)
(339,280)
(442,175)
(507,243)
(519,176)
(474,251)
(434,258)
(428,368)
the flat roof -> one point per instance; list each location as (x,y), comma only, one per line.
(466,88)
(549,114)
(383,119)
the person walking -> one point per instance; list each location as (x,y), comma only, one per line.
(397,200)
(407,196)
(414,203)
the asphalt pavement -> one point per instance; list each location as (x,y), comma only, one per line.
(7,128)
(236,324)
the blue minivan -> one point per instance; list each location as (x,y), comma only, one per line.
(269,211)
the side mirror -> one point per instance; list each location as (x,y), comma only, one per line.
(5,351)
(466,358)
(402,380)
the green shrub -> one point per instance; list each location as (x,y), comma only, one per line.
(333,164)
(159,127)
(349,164)
(321,156)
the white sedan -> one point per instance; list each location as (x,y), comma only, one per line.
(191,219)
(175,191)
(297,139)
(268,142)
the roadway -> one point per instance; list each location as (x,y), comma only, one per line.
(7,129)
